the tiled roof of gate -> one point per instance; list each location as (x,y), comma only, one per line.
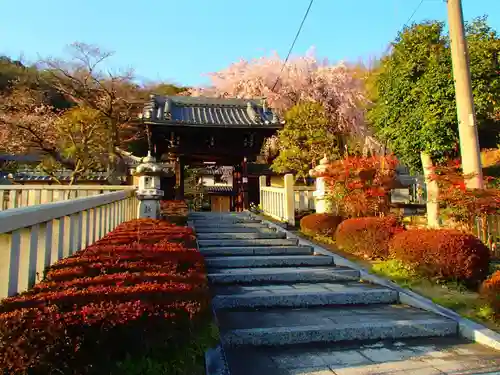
(219,189)
(210,112)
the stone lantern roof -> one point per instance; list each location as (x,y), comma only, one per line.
(149,167)
(321,168)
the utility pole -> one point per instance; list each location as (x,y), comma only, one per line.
(467,127)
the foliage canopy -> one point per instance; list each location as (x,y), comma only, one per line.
(305,139)
(413,95)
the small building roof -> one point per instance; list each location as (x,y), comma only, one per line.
(219,190)
(30,176)
(209,112)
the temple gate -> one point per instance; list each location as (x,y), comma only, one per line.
(198,130)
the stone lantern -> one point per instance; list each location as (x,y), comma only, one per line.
(321,200)
(149,193)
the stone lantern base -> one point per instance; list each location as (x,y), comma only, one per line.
(149,203)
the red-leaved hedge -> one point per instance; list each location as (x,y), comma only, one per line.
(175,211)
(490,291)
(446,254)
(367,236)
(323,224)
(137,291)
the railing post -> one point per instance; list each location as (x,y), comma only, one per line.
(85,229)
(6,259)
(289,199)
(92,226)
(56,247)
(12,199)
(66,236)
(25,260)
(102,221)
(262,183)
(42,250)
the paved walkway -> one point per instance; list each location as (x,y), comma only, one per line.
(282,310)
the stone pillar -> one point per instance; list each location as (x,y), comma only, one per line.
(322,201)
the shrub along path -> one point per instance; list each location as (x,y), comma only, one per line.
(281,309)
(136,302)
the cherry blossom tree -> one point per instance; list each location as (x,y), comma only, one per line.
(302,79)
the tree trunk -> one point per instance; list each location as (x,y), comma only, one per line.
(432,192)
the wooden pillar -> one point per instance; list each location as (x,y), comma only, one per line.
(237,186)
(244,184)
(179,178)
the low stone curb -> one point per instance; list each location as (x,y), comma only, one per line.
(215,361)
(467,328)
(215,358)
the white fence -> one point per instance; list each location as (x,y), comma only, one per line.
(304,199)
(15,196)
(280,203)
(32,238)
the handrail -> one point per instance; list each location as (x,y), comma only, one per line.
(17,196)
(34,237)
(17,218)
(304,188)
(67,187)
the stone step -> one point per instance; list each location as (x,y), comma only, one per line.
(240,236)
(212,213)
(277,326)
(234,229)
(257,250)
(269,261)
(225,221)
(212,225)
(301,295)
(282,275)
(248,242)
(439,355)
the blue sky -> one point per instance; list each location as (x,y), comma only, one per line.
(180,40)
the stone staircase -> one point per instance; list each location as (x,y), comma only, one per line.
(281,309)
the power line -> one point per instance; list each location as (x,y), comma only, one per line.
(413,14)
(293,43)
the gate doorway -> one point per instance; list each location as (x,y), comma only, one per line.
(220,203)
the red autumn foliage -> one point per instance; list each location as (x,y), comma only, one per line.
(324,224)
(367,236)
(360,185)
(460,204)
(445,254)
(124,294)
(490,291)
(175,211)
(174,207)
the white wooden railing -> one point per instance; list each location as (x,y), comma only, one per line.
(15,196)
(278,202)
(32,238)
(304,198)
